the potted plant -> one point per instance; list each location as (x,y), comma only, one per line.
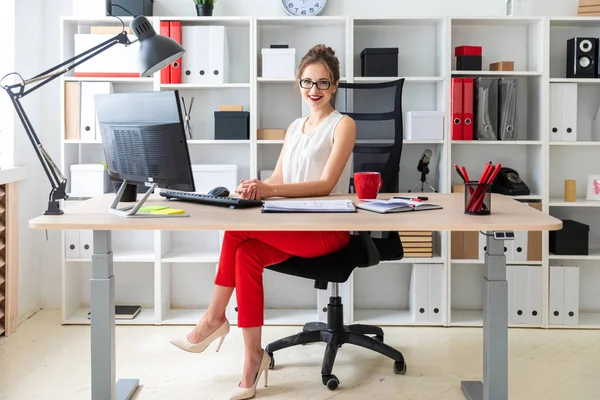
(130,193)
(204,8)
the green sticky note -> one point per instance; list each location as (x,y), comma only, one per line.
(152,208)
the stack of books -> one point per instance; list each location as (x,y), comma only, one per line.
(417,244)
(588,8)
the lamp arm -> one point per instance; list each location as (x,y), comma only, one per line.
(66,66)
(17,91)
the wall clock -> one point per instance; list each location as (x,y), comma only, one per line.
(303,7)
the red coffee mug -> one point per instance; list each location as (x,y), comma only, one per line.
(367,184)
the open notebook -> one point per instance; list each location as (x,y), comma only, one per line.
(396,205)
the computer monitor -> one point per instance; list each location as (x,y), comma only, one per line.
(144,143)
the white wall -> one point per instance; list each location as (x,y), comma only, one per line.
(373,8)
(7,64)
(29,61)
(40,277)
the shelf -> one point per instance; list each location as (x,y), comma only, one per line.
(145,317)
(575,22)
(189,316)
(416,260)
(576,143)
(407,79)
(399,21)
(213,141)
(189,256)
(75,141)
(594,255)
(260,79)
(181,86)
(498,73)
(559,202)
(495,21)
(590,81)
(106,20)
(182,259)
(108,79)
(227,20)
(405,141)
(388,317)
(299,21)
(466,318)
(496,142)
(132,256)
(589,320)
(289,316)
(508,262)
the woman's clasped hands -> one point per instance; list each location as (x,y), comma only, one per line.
(253,189)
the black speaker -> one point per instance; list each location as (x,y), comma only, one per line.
(582,57)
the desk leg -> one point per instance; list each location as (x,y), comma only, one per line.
(495,328)
(102,325)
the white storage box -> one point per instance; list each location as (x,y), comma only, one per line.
(89,180)
(117,61)
(209,176)
(278,63)
(424,125)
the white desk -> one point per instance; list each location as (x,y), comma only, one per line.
(507,215)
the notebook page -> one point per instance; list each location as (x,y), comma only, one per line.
(309,205)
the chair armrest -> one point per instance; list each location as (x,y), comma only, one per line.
(373,255)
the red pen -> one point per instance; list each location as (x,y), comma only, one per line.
(419,199)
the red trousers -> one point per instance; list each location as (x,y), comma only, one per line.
(244,255)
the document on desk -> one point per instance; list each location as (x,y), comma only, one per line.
(396,205)
(301,206)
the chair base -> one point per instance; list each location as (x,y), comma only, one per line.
(335,334)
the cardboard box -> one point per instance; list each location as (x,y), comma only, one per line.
(502,66)
(231,108)
(534,240)
(588,8)
(588,3)
(271,134)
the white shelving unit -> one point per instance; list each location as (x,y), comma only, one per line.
(171,273)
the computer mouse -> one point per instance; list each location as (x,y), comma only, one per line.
(219,191)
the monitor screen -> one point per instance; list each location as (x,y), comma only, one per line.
(144,138)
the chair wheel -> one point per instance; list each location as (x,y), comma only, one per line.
(399,368)
(272,362)
(331,381)
(378,338)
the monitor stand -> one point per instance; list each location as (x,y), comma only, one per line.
(133,211)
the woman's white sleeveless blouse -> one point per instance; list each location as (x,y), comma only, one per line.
(306,154)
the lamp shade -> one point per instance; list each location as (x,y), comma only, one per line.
(156,51)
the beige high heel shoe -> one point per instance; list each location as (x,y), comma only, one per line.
(184,344)
(247,393)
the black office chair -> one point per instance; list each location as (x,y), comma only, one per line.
(375,107)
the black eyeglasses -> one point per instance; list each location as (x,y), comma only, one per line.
(308,84)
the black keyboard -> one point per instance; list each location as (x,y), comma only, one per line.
(212,200)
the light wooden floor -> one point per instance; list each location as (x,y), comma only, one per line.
(45,360)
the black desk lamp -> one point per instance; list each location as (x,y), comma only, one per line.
(156,52)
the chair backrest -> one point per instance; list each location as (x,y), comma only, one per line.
(377,109)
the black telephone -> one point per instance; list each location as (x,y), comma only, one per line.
(508,182)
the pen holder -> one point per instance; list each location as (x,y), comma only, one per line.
(478,198)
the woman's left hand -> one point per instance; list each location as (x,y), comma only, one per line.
(253,189)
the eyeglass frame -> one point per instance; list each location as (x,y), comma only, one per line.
(312,84)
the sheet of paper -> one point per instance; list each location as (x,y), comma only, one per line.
(309,205)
